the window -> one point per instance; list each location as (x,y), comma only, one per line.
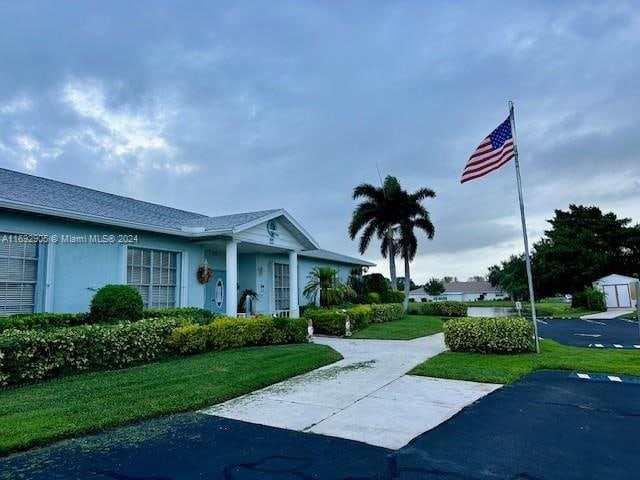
(18,275)
(154,274)
(281,286)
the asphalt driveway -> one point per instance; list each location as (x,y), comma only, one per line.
(612,333)
(550,425)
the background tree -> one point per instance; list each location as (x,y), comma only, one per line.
(448,279)
(434,287)
(582,245)
(412,285)
(356,280)
(376,216)
(376,283)
(511,276)
(477,278)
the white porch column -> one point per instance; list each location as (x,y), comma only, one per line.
(232,279)
(294,310)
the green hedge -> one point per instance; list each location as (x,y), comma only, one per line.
(33,355)
(489,335)
(443,309)
(39,321)
(388,312)
(330,321)
(194,314)
(589,298)
(30,321)
(393,296)
(224,333)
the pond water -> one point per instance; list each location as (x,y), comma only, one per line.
(491,311)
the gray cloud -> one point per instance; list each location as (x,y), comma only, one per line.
(236,106)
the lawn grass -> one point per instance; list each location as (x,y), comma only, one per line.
(509,368)
(543,309)
(411,326)
(38,414)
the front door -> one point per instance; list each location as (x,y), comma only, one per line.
(215,292)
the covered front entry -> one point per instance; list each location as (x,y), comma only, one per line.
(215,292)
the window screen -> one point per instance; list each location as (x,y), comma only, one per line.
(18,275)
(281,285)
(154,274)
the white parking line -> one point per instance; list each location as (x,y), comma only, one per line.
(584,376)
(636,346)
(617,345)
(593,321)
(599,345)
(614,378)
(542,321)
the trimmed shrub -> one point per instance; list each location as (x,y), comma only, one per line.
(489,335)
(393,296)
(225,333)
(590,298)
(444,309)
(33,355)
(331,321)
(388,312)
(373,297)
(113,303)
(43,321)
(30,321)
(194,314)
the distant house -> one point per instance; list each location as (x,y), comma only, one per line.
(618,289)
(461,292)
(59,243)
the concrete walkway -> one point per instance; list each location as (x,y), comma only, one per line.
(365,397)
(609,314)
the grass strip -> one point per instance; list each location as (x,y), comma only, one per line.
(39,414)
(507,369)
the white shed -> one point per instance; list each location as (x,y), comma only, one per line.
(619,290)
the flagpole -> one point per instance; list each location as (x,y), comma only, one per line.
(524,227)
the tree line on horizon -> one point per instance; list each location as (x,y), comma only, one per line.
(582,245)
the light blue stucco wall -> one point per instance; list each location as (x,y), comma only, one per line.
(79,269)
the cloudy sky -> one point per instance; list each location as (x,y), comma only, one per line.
(221,107)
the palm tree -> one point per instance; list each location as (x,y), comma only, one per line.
(377,215)
(413,215)
(323,282)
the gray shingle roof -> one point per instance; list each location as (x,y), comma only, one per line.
(335,257)
(43,192)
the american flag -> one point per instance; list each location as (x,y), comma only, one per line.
(494,151)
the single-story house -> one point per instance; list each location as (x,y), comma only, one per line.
(59,243)
(619,290)
(460,292)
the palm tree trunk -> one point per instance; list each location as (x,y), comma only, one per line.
(407,283)
(392,260)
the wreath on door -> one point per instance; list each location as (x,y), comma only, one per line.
(204,274)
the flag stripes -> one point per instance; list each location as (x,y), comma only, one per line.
(493,152)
